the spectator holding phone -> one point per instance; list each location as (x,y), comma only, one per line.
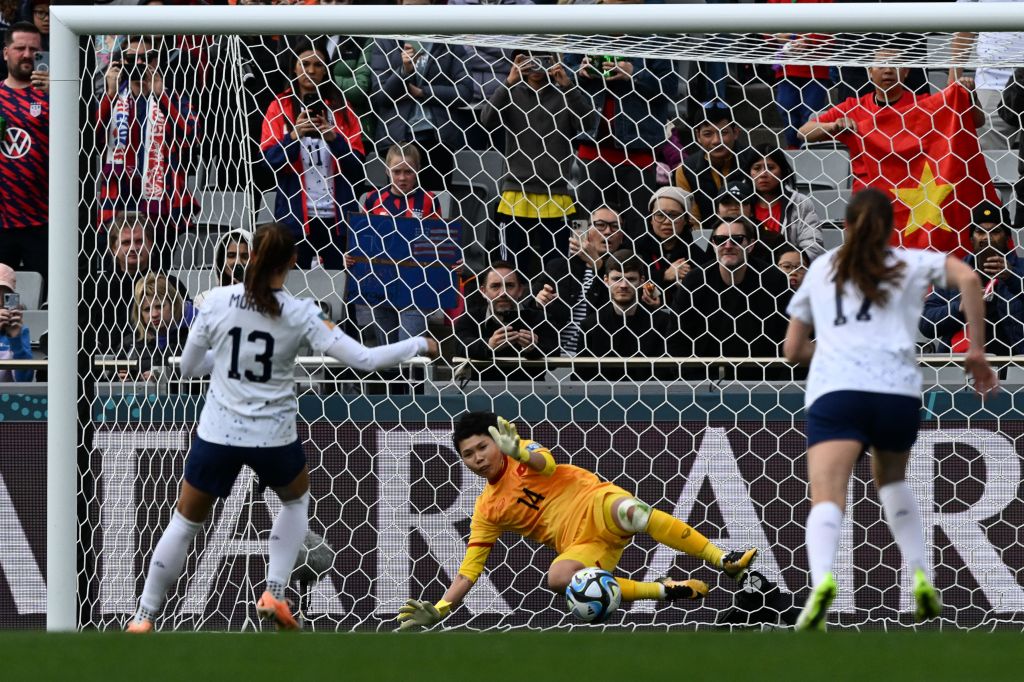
(313,143)
(631,98)
(503,322)
(15,341)
(1002,274)
(25,132)
(146,131)
(540,109)
(421,93)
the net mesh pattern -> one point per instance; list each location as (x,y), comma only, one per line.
(407,167)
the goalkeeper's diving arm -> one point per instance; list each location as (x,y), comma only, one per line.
(420,613)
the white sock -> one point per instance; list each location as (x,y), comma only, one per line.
(823,526)
(286,536)
(166,563)
(905,522)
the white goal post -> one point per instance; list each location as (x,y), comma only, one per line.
(69,23)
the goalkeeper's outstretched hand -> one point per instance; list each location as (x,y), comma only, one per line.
(417,613)
(507,438)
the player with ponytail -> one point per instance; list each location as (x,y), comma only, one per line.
(247,337)
(862,303)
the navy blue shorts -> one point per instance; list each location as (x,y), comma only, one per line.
(213,468)
(880,420)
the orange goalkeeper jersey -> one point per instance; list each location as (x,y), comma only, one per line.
(549,509)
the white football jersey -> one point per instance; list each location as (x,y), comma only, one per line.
(251,400)
(860,346)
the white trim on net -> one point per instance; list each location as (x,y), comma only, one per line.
(572,19)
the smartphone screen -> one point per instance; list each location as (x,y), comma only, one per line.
(314,105)
(983,255)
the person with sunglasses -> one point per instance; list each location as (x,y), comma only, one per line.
(736,309)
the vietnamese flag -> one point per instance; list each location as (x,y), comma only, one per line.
(924,152)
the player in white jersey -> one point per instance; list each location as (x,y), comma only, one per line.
(247,337)
(862,302)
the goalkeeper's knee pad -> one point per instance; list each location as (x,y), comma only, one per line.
(633,515)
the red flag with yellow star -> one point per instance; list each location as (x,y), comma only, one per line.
(926,156)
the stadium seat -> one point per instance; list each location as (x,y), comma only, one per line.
(821,168)
(1002,166)
(324,286)
(30,289)
(37,322)
(481,172)
(830,205)
(833,237)
(195,281)
(194,250)
(266,212)
(376,171)
(224,208)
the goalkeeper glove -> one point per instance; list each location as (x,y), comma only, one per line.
(507,438)
(418,613)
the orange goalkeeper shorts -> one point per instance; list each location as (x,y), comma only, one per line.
(597,543)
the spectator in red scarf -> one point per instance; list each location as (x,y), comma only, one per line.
(147,130)
(781,213)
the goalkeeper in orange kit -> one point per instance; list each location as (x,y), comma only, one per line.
(586,520)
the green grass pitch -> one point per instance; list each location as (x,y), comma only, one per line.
(521,656)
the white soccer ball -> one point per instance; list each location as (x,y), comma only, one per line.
(593,595)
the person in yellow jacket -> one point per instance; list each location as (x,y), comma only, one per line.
(589,522)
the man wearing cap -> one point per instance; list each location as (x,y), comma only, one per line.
(734,201)
(1001,271)
(668,247)
(15,343)
(707,173)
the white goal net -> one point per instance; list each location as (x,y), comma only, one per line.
(554,209)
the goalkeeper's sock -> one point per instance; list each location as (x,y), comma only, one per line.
(166,563)
(905,522)
(823,526)
(633,590)
(680,536)
(286,536)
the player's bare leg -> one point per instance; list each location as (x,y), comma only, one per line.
(829,466)
(286,537)
(904,519)
(168,558)
(630,516)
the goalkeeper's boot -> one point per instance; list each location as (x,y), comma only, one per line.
(139,626)
(927,598)
(815,613)
(735,564)
(676,590)
(276,610)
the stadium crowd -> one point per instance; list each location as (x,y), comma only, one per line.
(636,212)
